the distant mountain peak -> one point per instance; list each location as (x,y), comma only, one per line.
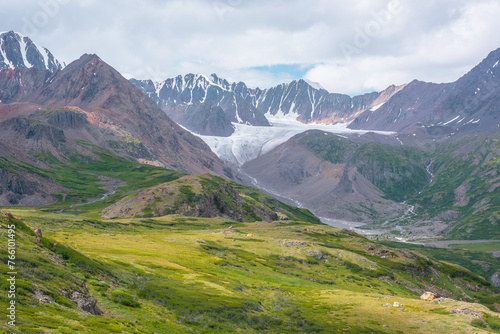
(19,51)
(90,57)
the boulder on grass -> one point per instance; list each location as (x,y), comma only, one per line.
(429,296)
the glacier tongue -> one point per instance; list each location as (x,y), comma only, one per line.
(249,142)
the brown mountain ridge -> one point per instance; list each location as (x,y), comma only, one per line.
(112,110)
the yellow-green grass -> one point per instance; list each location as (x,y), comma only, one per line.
(280,275)
(483,246)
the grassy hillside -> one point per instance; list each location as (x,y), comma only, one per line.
(478,258)
(178,274)
(82,176)
(206,196)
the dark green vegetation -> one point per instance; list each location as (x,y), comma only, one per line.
(398,171)
(481,262)
(464,193)
(179,274)
(466,189)
(79,175)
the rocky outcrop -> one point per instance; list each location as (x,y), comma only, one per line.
(20,188)
(429,296)
(38,232)
(461,198)
(495,279)
(84,301)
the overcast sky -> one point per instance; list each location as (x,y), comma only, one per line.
(347,46)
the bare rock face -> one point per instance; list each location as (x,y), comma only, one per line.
(495,279)
(22,188)
(86,303)
(461,198)
(429,296)
(497,307)
(203,119)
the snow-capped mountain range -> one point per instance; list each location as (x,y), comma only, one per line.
(193,99)
(300,100)
(209,105)
(468,104)
(18,51)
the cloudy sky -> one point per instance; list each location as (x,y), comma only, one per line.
(347,47)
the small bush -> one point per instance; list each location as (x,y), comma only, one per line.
(121,297)
(478,323)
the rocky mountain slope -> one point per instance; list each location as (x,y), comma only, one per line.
(18,51)
(470,104)
(341,178)
(301,101)
(182,98)
(464,196)
(446,189)
(105,109)
(297,100)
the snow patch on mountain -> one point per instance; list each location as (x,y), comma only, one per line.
(377,106)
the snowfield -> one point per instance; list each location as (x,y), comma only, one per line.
(248,142)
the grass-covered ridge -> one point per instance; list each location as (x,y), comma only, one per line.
(180,274)
(206,196)
(81,176)
(478,258)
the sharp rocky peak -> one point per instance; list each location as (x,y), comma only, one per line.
(19,51)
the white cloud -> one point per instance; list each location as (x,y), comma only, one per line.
(441,54)
(428,40)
